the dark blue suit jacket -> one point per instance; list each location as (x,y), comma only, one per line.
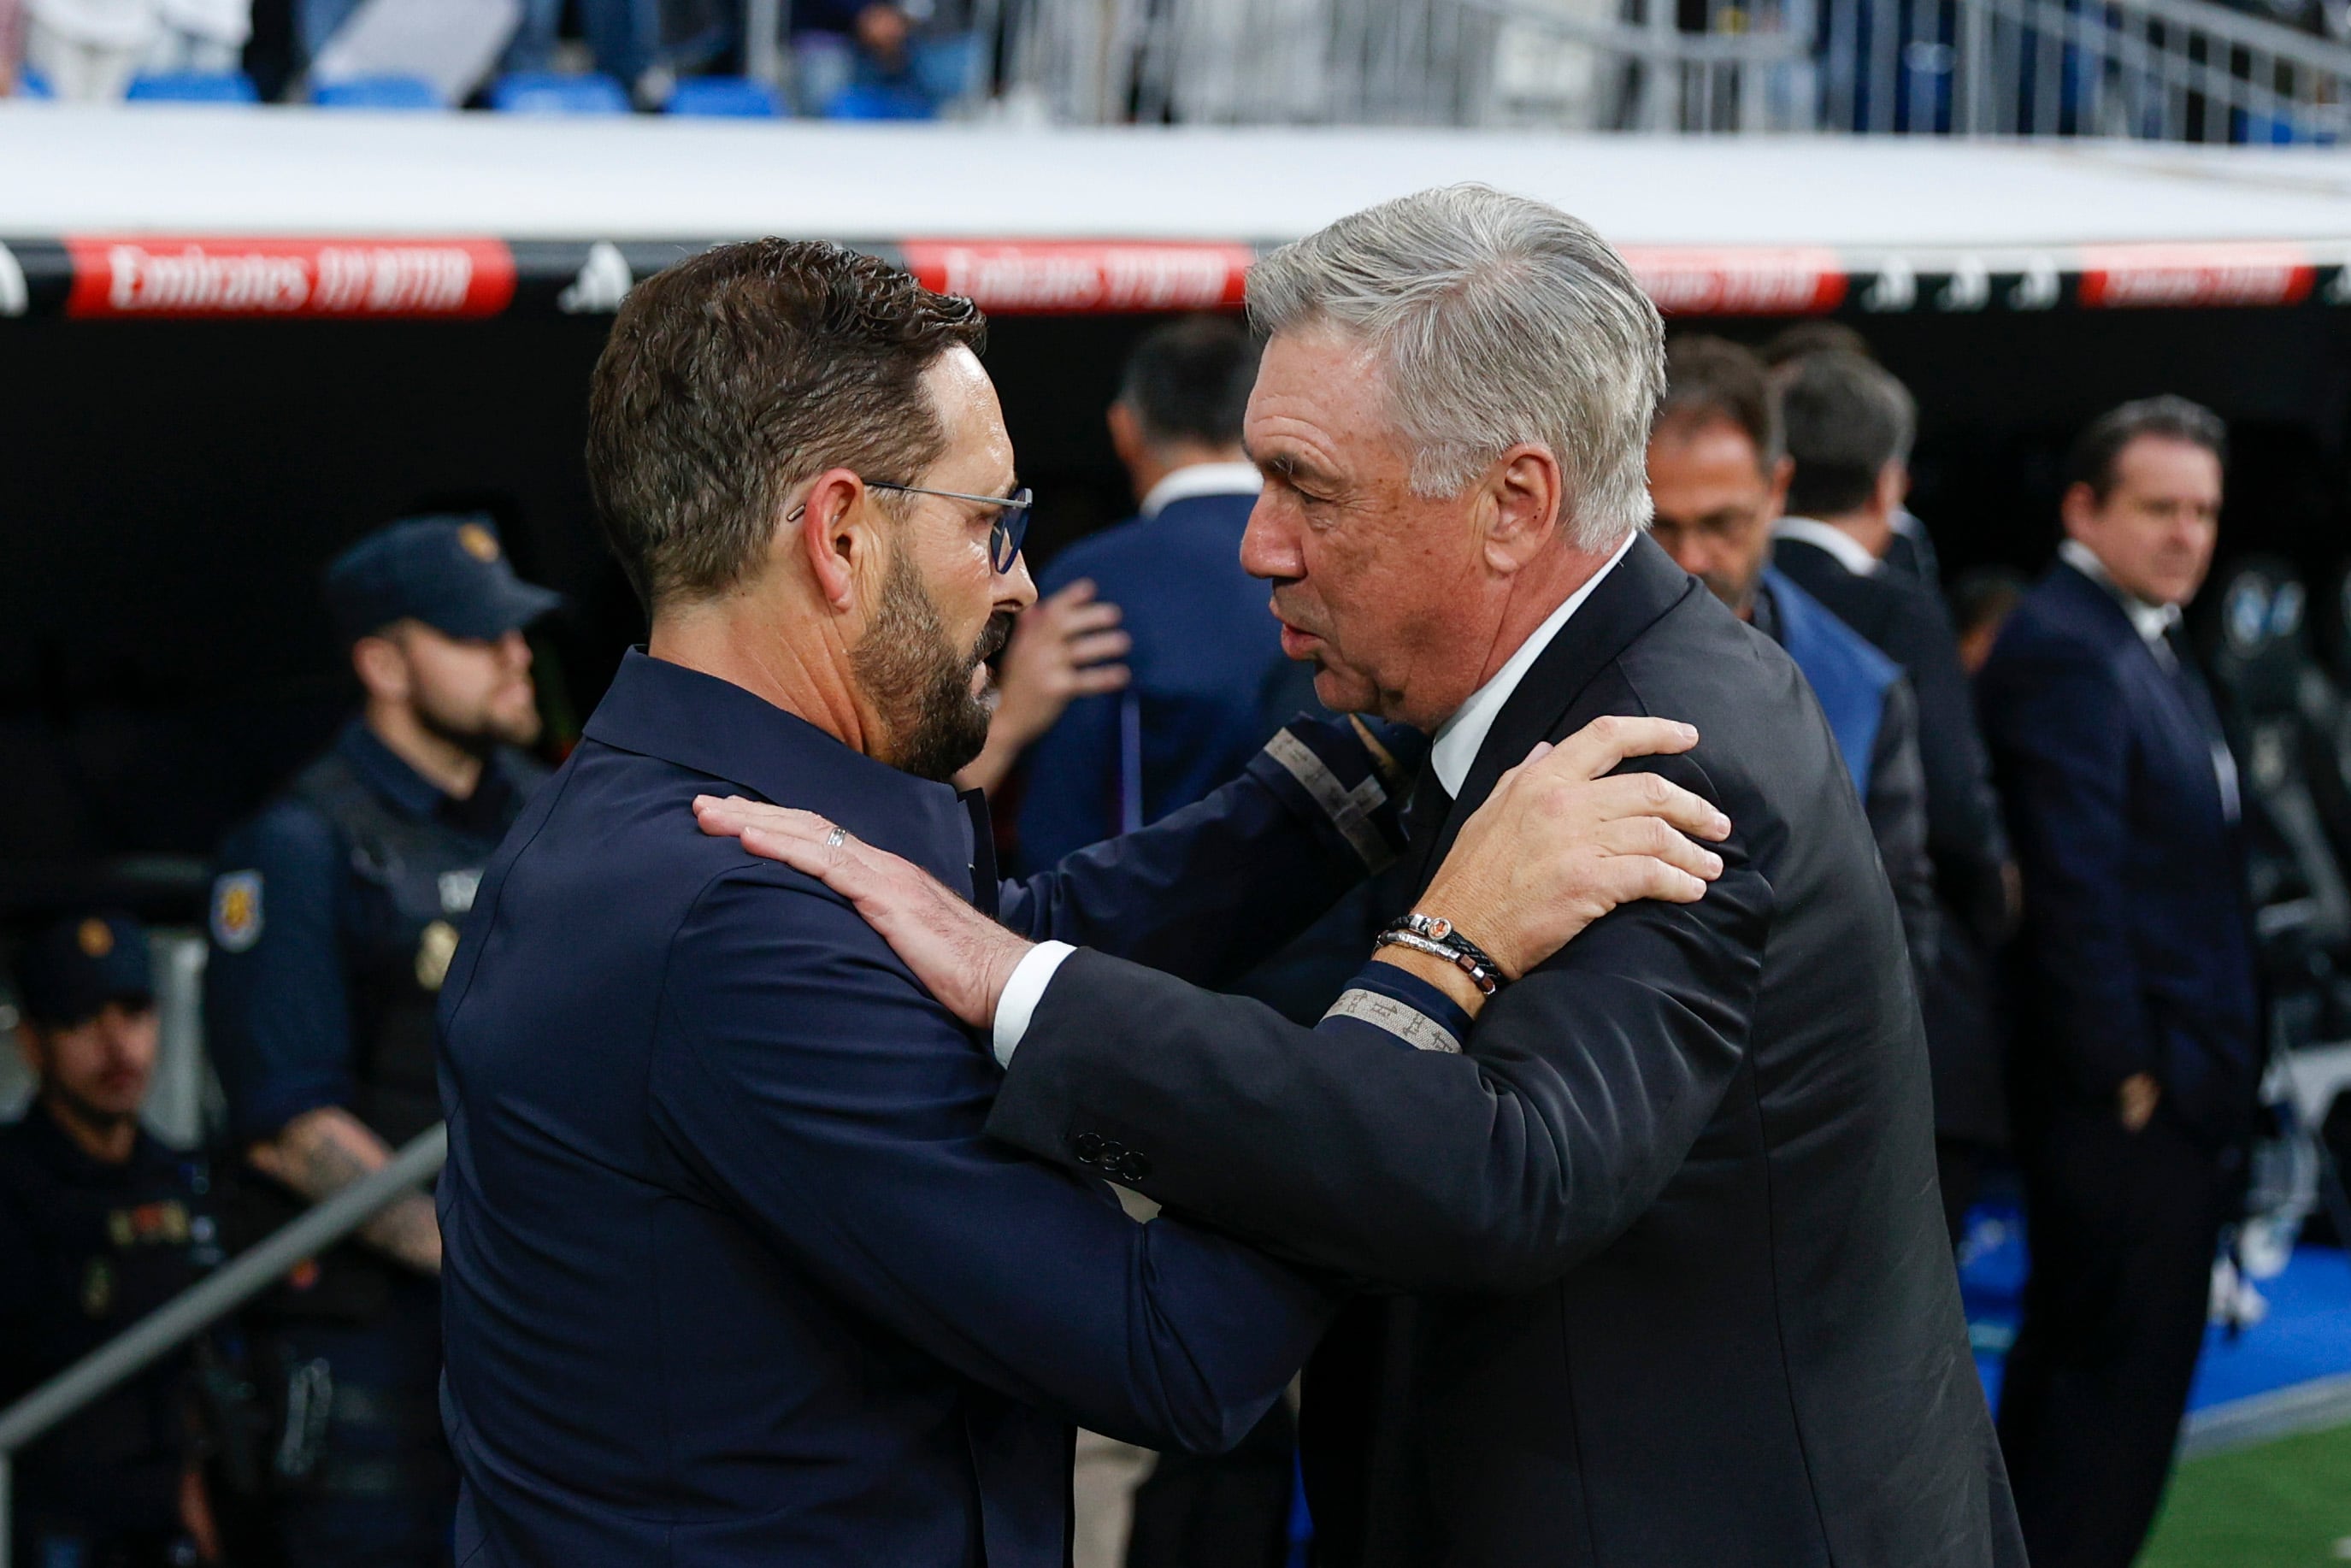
(733,1276)
(2136,954)
(1204,643)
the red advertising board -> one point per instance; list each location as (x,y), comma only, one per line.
(1797,280)
(2119,277)
(1041,276)
(147,276)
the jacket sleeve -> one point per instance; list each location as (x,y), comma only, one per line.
(1208,892)
(2057,723)
(811,1086)
(278,1019)
(1898,810)
(1582,1089)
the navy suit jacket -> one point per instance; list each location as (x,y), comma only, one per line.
(732,1275)
(2136,954)
(1204,647)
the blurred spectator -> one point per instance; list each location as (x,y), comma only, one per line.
(333,922)
(2140,1035)
(1849,426)
(1202,639)
(1981,600)
(100,1225)
(877,59)
(1719,475)
(1911,550)
(206,37)
(12,45)
(89,49)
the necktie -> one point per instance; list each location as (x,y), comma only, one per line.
(2174,654)
(1425,817)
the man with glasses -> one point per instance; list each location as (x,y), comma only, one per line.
(733,1274)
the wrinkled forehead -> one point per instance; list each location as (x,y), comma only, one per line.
(1319,404)
(978,448)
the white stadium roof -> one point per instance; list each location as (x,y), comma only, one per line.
(2219,225)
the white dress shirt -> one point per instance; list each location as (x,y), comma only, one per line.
(1849,551)
(1202,479)
(1457,744)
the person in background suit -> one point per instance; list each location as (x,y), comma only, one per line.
(1658,1211)
(734,1275)
(1911,550)
(1202,643)
(2139,1048)
(1849,426)
(1719,475)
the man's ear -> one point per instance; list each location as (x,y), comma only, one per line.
(1125,433)
(381,667)
(1783,474)
(2079,509)
(1528,496)
(837,534)
(29,1046)
(1893,486)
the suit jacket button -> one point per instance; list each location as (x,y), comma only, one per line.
(1134,1167)
(1111,1151)
(1090,1147)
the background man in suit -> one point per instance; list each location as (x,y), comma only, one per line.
(1719,475)
(1665,1199)
(1849,425)
(1203,643)
(733,1275)
(2139,1044)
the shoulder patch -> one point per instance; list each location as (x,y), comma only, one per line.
(236,911)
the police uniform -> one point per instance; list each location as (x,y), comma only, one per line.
(87,1248)
(333,920)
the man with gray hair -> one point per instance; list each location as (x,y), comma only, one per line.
(1662,1280)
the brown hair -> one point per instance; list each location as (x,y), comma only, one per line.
(2097,451)
(732,377)
(1709,379)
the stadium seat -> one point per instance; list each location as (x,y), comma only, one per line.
(729,97)
(193,86)
(378,92)
(881,100)
(551,92)
(31,83)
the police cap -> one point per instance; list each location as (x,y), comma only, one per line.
(71,968)
(447,572)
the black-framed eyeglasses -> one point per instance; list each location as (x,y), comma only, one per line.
(1004,537)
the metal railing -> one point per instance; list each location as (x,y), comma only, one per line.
(2158,70)
(184,1317)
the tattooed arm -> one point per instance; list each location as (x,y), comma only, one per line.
(321,1152)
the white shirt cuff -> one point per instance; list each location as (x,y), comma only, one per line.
(1023,992)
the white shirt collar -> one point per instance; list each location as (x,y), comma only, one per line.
(1203,479)
(1849,551)
(2150,621)
(1461,738)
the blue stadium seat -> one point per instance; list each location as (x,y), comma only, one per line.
(552,92)
(730,97)
(31,83)
(881,100)
(193,86)
(378,92)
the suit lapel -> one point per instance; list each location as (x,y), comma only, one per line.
(1628,601)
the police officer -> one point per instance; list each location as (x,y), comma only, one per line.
(333,920)
(100,1225)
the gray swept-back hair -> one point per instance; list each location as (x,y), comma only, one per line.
(1494,320)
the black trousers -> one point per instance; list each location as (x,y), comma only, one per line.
(2122,1229)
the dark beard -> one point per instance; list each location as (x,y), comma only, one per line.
(918,684)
